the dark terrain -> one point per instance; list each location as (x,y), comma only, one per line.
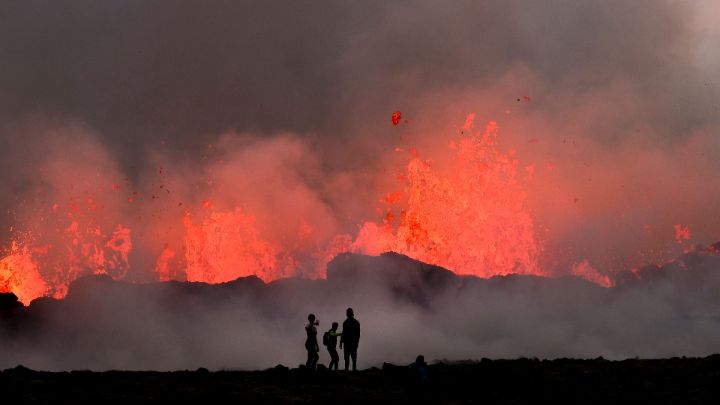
(676,380)
(406,308)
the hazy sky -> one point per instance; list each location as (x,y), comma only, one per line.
(138,72)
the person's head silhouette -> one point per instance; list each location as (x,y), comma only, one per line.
(349,313)
(334,326)
(311,318)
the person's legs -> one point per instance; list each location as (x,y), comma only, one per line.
(314,357)
(310,357)
(346,354)
(353,353)
(334,358)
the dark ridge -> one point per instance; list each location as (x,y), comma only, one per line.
(11,310)
(9,302)
(694,268)
(405,278)
(408,279)
(596,381)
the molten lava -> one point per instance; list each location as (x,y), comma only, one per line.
(473,221)
(396,117)
(66,241)
(19,275)
(226,246)
(471,218)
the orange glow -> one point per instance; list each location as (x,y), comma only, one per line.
(226,246)
(19,275)
(469,215)
(163,264)
(469,122)
(68,241)
(586,271)
(473,221)
(682,233)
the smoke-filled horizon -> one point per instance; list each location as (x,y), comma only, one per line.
(405,308)
(133,131)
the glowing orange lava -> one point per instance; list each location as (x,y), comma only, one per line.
(67,241)
(226,246)
(473,221)
(19,275)
(471,218)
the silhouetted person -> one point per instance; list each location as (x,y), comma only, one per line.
(350,338)
(420,368)
(330,340)
(311,343)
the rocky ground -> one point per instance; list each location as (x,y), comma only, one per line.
(676,380)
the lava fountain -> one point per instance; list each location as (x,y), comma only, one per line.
(473,221)
(470,218)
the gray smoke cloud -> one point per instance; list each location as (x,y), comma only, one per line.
(187,71)
(404,308)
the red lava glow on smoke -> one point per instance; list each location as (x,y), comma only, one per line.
(586,271)
(44,265)
(226,246)
(471,218)
(682,233)
(473,221)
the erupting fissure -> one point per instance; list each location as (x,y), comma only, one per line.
(473,220)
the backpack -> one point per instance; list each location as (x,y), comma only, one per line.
(326,338)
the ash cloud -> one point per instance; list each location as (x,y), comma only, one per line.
(185,71)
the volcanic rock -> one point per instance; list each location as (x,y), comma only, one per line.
(406,278)
(9,302)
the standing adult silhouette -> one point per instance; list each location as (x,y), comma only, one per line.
(350,338)
(311,343)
